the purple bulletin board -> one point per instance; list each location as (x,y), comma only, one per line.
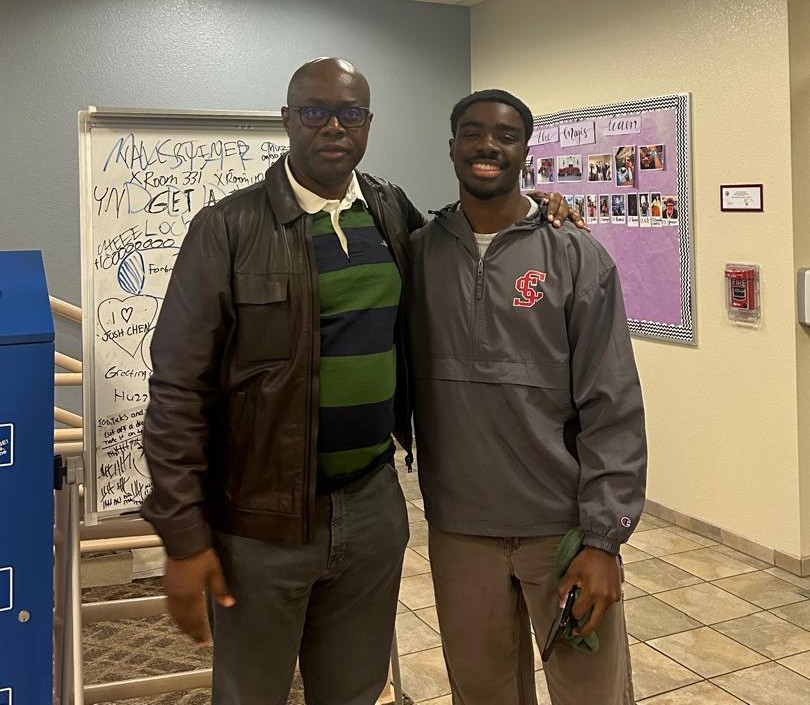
(626,168)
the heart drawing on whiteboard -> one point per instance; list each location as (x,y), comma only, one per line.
(126,322)
(146,349)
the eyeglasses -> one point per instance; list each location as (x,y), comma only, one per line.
(318,116)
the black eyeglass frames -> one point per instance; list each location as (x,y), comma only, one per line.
(318,115)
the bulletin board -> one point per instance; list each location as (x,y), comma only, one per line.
(626,168)
(144,175)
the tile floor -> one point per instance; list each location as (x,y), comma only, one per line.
(708,625)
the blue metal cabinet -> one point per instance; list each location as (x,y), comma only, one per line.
(26,481)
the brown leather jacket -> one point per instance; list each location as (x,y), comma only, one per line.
(231,429)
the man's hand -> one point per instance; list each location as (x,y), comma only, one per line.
(597,573)
(558,209)
(185,582)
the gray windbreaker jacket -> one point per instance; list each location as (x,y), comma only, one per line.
(529,418)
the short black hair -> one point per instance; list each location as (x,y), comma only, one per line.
(493,95)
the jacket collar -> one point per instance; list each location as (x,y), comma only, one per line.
(452,219)
(280,193)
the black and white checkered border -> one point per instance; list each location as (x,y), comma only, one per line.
(684,332)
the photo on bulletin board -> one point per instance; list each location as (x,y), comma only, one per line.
(545,171)
(626,167)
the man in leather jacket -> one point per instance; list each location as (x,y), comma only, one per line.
(279,379)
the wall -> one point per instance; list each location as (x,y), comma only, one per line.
(722,417)
(59,57)
(799,19)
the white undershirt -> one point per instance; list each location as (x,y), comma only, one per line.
(484,239)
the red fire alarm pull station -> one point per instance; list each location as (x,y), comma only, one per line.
(742,293)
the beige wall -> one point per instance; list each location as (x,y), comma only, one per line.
(799,20)
(722,417)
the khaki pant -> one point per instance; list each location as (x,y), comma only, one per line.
(487,590)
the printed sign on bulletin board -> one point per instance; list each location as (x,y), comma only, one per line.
(625,168)
(144,175)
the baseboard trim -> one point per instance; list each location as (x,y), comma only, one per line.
(799,566)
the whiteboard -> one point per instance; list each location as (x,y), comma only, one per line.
(144,175)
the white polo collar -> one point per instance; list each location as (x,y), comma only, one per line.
(313,203)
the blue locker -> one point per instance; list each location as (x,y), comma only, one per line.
(26,481)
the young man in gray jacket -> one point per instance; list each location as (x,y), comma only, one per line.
(529,423)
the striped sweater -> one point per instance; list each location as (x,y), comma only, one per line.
(359,296)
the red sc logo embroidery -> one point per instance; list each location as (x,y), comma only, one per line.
(525,285)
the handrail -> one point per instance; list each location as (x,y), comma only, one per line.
(128,526)
(65,435)
(67,379)
(65,309)
(152,685)
(133,607)
(119,544)
(71,364)
(68,449)
(67,417)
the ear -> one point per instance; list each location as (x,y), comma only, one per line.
(370,118)
(452,148)
(285,119)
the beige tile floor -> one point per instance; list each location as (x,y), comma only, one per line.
(708,625)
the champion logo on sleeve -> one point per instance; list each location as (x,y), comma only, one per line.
(526,286)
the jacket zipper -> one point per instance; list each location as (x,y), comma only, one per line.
(479,295)
(479,281)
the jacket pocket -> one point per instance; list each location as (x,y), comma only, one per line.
(236,411)
(261,469)
(263,311)
(525,373)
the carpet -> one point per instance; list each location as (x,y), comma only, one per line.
(149,646)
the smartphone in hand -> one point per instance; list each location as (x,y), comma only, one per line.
(563,620)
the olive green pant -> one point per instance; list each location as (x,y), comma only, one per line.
(488,593)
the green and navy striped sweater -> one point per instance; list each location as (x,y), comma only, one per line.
(359,296)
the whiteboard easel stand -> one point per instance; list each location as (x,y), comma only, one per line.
(69,677)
